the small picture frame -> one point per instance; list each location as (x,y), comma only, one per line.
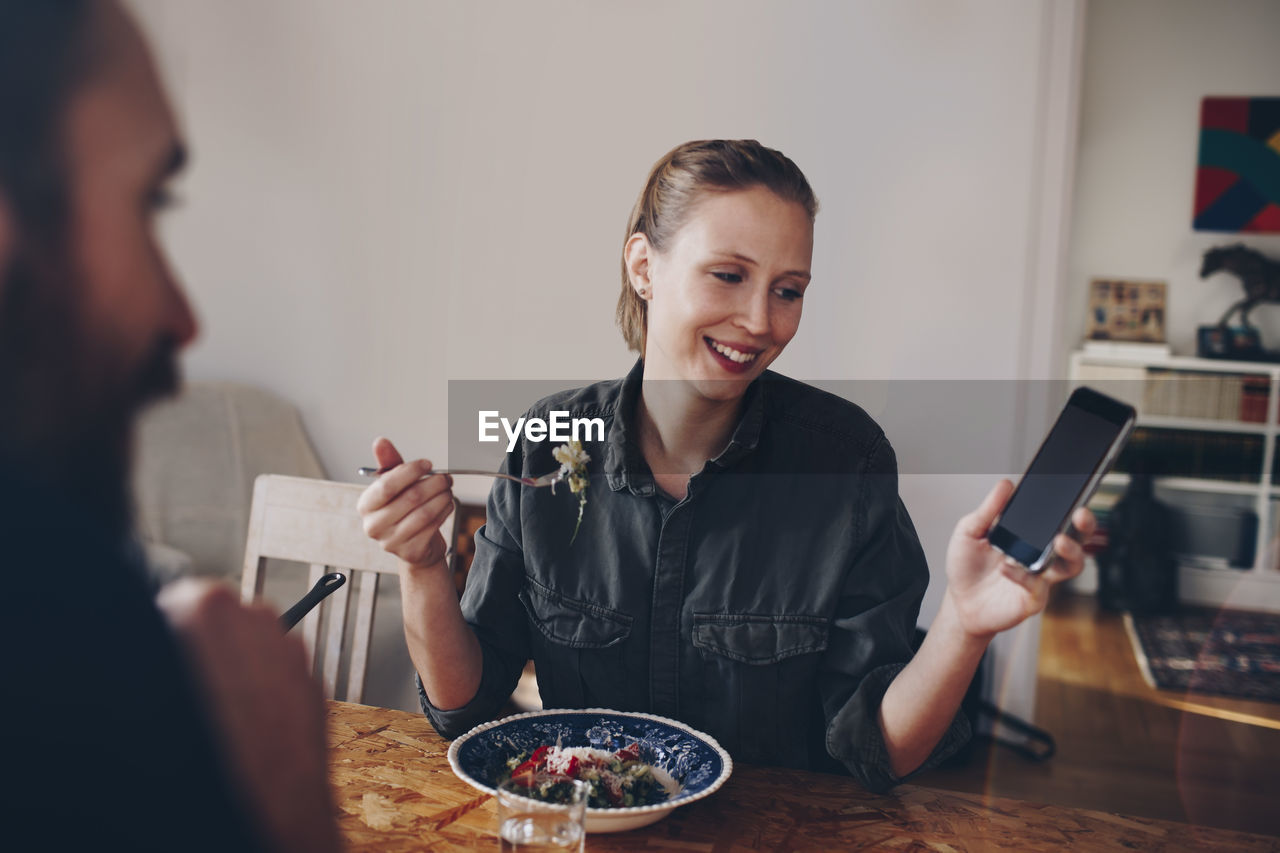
(1121,310)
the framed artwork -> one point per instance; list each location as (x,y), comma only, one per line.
(1126,311)
(1238,170)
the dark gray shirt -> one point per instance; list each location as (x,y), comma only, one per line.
(104,693)
(771,607)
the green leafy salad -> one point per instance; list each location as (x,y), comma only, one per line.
(617,779)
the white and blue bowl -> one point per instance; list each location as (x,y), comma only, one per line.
(693,759)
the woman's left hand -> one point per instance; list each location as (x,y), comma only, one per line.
(989,594)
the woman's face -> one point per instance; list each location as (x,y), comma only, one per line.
(726,294)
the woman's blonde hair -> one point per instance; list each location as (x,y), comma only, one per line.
(676,182)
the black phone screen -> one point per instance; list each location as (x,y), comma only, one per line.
(1060,472)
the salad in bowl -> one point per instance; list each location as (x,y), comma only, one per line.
(640,767)
(615,779)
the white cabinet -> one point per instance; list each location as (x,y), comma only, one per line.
(1207,429)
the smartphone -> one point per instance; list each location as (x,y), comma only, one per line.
(1080,448)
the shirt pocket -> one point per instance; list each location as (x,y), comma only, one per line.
(761,677)
(759,639)
(578,649)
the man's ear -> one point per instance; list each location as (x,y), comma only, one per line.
(639,255)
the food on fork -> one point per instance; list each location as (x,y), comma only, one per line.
(573,467)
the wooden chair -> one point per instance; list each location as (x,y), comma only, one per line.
(316,522)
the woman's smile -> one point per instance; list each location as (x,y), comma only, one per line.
(733,358)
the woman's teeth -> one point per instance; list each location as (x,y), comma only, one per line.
(732,354)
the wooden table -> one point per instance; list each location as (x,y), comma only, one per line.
(395,792)
(1124,746)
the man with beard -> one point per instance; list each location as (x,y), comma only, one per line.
(193,725)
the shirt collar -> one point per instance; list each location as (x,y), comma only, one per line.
(624,465)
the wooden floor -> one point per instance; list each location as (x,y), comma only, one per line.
(1124,746)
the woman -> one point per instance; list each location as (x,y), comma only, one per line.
(744,563)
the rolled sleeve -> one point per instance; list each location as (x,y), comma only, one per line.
(855,740)
(870,638)
(495,689)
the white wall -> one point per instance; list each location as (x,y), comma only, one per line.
(389,195)
(1147,65)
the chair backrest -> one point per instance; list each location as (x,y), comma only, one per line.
(316,522)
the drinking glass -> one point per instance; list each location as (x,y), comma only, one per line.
(527,824)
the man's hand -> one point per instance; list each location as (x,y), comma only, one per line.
(267,707)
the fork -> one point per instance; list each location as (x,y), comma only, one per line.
(549,479)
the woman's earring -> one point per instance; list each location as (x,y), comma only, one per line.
(644,293)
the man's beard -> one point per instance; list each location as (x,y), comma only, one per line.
(68,404)
(102,445)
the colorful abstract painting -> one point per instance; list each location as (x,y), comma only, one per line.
(1238,178)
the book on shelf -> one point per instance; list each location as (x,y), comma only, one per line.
(1208,396)
(1184,391)
(1253,398)
(1233,398)
(1230,457)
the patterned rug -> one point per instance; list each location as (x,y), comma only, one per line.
(1224,652)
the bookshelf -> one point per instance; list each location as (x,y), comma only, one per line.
(1211,426)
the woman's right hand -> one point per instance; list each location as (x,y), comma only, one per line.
(404,509)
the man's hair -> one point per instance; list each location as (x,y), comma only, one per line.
(42,57)
(678,181)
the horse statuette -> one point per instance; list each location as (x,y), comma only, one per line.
(1258,274)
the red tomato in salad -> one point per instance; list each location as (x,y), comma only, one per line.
(530,766)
